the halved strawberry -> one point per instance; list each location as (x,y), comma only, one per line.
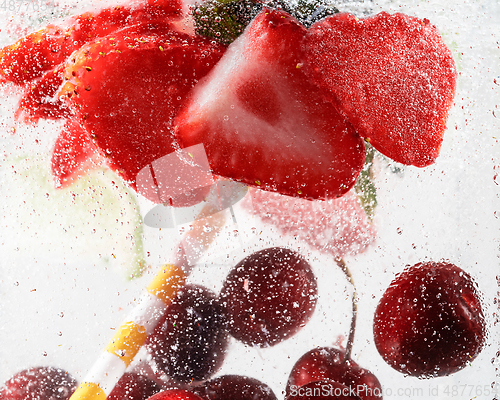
(338,227)
(126,89)
(73,154)
(40,99)
(264,124)
(33,55)
(391,76)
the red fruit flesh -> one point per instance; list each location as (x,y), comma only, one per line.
(327,363)
(337,226)
(391,76)
(30,57)
(323,390)
(40,100)
(189,342)
(430,322)
(230,387)
(128,87)
(264,124)
(40,383)
(33,55)
(269,296)
(133,386)
(73,154)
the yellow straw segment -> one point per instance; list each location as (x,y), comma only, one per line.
(88,390)
(127,341)
(130,337)
(167,282)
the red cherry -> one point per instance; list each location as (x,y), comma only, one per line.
(175,394)
(269,296)
(328,363)
(429,321)
(190,340)
(229,387)
(39,383)
(132,386)
(323,390)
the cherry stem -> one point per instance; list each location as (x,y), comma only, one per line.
(348,349)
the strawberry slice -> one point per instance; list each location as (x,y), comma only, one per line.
(73,154)
(264,124)
(40,99)
(126,89)
(391,76)
(33,55)
(337,227)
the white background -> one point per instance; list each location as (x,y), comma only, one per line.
(63,289)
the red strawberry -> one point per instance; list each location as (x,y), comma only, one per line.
(73,154)
(264,124)
(337,226)
(126,89)
(30,57)
(40,100)
(390,75)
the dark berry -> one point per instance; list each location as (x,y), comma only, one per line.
(189,342)
(175,394)
(230,387)
(39,383)
(133,386)
(329,363)
(429,321)
(269,296)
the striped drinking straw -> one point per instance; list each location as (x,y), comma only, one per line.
(133,333)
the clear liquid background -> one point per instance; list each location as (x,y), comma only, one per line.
(63,289)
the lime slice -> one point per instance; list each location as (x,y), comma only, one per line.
(97,218)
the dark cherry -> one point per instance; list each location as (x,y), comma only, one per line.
(323,390)
(269,296)
(39,383)
(175,394)
(429,321)
(327,363)
(230,387)
(189,342)
(133,386)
